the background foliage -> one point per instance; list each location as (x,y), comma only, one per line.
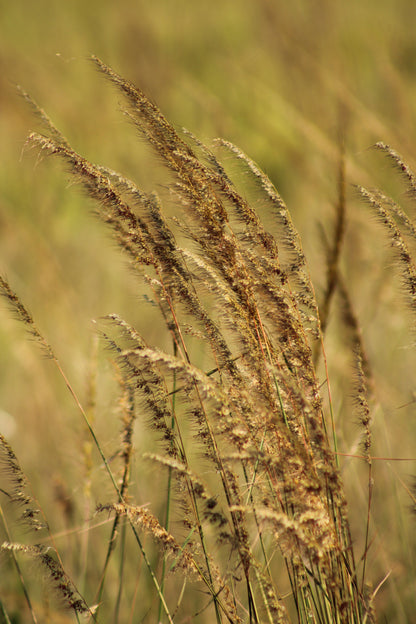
(276,78)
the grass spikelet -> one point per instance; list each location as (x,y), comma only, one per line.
(397,212)
(406,263)
(143,518)
(211,511)
(62,584)
(24,316)
(400,164)
(295,267)
(44,118)
(19,494)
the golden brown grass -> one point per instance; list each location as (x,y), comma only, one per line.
(255,522)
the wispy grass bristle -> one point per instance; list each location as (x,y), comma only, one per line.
(24,316)
(147,521)
(399,244)
(18,488)
(400,164)
(60,581)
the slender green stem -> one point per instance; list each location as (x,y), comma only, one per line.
(120,573)
(118,491)
(18,569)
(169,485)
(4,613)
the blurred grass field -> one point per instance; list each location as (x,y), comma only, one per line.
(275,78)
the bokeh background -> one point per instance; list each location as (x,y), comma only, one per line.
(279,79)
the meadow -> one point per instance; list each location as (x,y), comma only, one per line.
(207,407)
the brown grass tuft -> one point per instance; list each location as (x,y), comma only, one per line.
(253,485)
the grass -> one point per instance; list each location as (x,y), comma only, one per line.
(281,107)
(249,519)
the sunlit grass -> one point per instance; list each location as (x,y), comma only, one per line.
(282,107)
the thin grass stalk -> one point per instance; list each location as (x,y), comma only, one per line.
(264,596)
(4,613)
(27,320)
(54,568)
(110,548)
(331,408)
(224,480)
(152,574)
(367,524)
(250,483)
(334,252)
(19,573)
(321,597)
(169,484)
(362,396)
(252,609)
(129,416)
(302,598)
(91,404)
(208,581)
(121,573)
(366,421)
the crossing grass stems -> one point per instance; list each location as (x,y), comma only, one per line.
(274,505)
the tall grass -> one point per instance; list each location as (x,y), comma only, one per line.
(252,522)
